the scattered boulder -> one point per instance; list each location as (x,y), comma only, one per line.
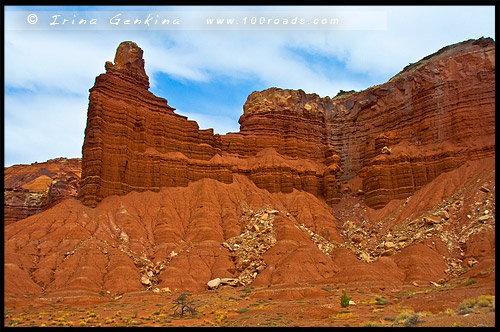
(444,214)
(483,218)
(249,247)
(389,245)
(145,281)
(230,282)
(214,283)
(432,220)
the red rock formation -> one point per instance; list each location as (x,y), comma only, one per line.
(430,118)
(30,189)
(175,238)
(434,115)
(164,204)
(396,137)
(124,241)
(135,141)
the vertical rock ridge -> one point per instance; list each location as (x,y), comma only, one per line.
(386,141)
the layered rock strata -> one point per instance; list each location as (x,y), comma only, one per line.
(253,206)
(433,116)
(134,142)
(394,138)
(180,238)
(30,189)
(386,141)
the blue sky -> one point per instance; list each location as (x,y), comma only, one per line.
(206,73)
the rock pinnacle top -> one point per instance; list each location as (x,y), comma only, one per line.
(129,59)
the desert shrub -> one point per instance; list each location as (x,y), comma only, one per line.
(242,310)
(344,300)
(483,303)
(411,321)
(403,315)
(467,303)
(470,282)
(485,300)
(182,305)
(345,315)
(220,317)
(449,312)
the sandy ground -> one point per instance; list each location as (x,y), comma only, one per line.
(295,305)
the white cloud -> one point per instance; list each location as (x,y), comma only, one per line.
(412,33)
(52,61)
(219,123)
(261,55)
(58,68)
(41,127)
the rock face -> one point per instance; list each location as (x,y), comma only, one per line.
(30,189)
(181,238)
(134,141)
(434,115)
(395,137)
(387,141)
(389,187)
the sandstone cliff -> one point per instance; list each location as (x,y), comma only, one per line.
(31,189)
(386,187)
(386,141)
(135,141)
(432,117)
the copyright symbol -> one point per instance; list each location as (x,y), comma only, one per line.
(32,19)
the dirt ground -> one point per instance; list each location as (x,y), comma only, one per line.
(462,303)
(465,298)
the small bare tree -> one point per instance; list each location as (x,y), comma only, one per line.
(182,305)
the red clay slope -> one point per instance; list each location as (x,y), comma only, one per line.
(183,237)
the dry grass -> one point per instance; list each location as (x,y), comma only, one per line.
(403,316)
(485,301)
(450,312)
(467,303)
(344,315)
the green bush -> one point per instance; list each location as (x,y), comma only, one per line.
(242,310)
(344,300)
(470,282)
